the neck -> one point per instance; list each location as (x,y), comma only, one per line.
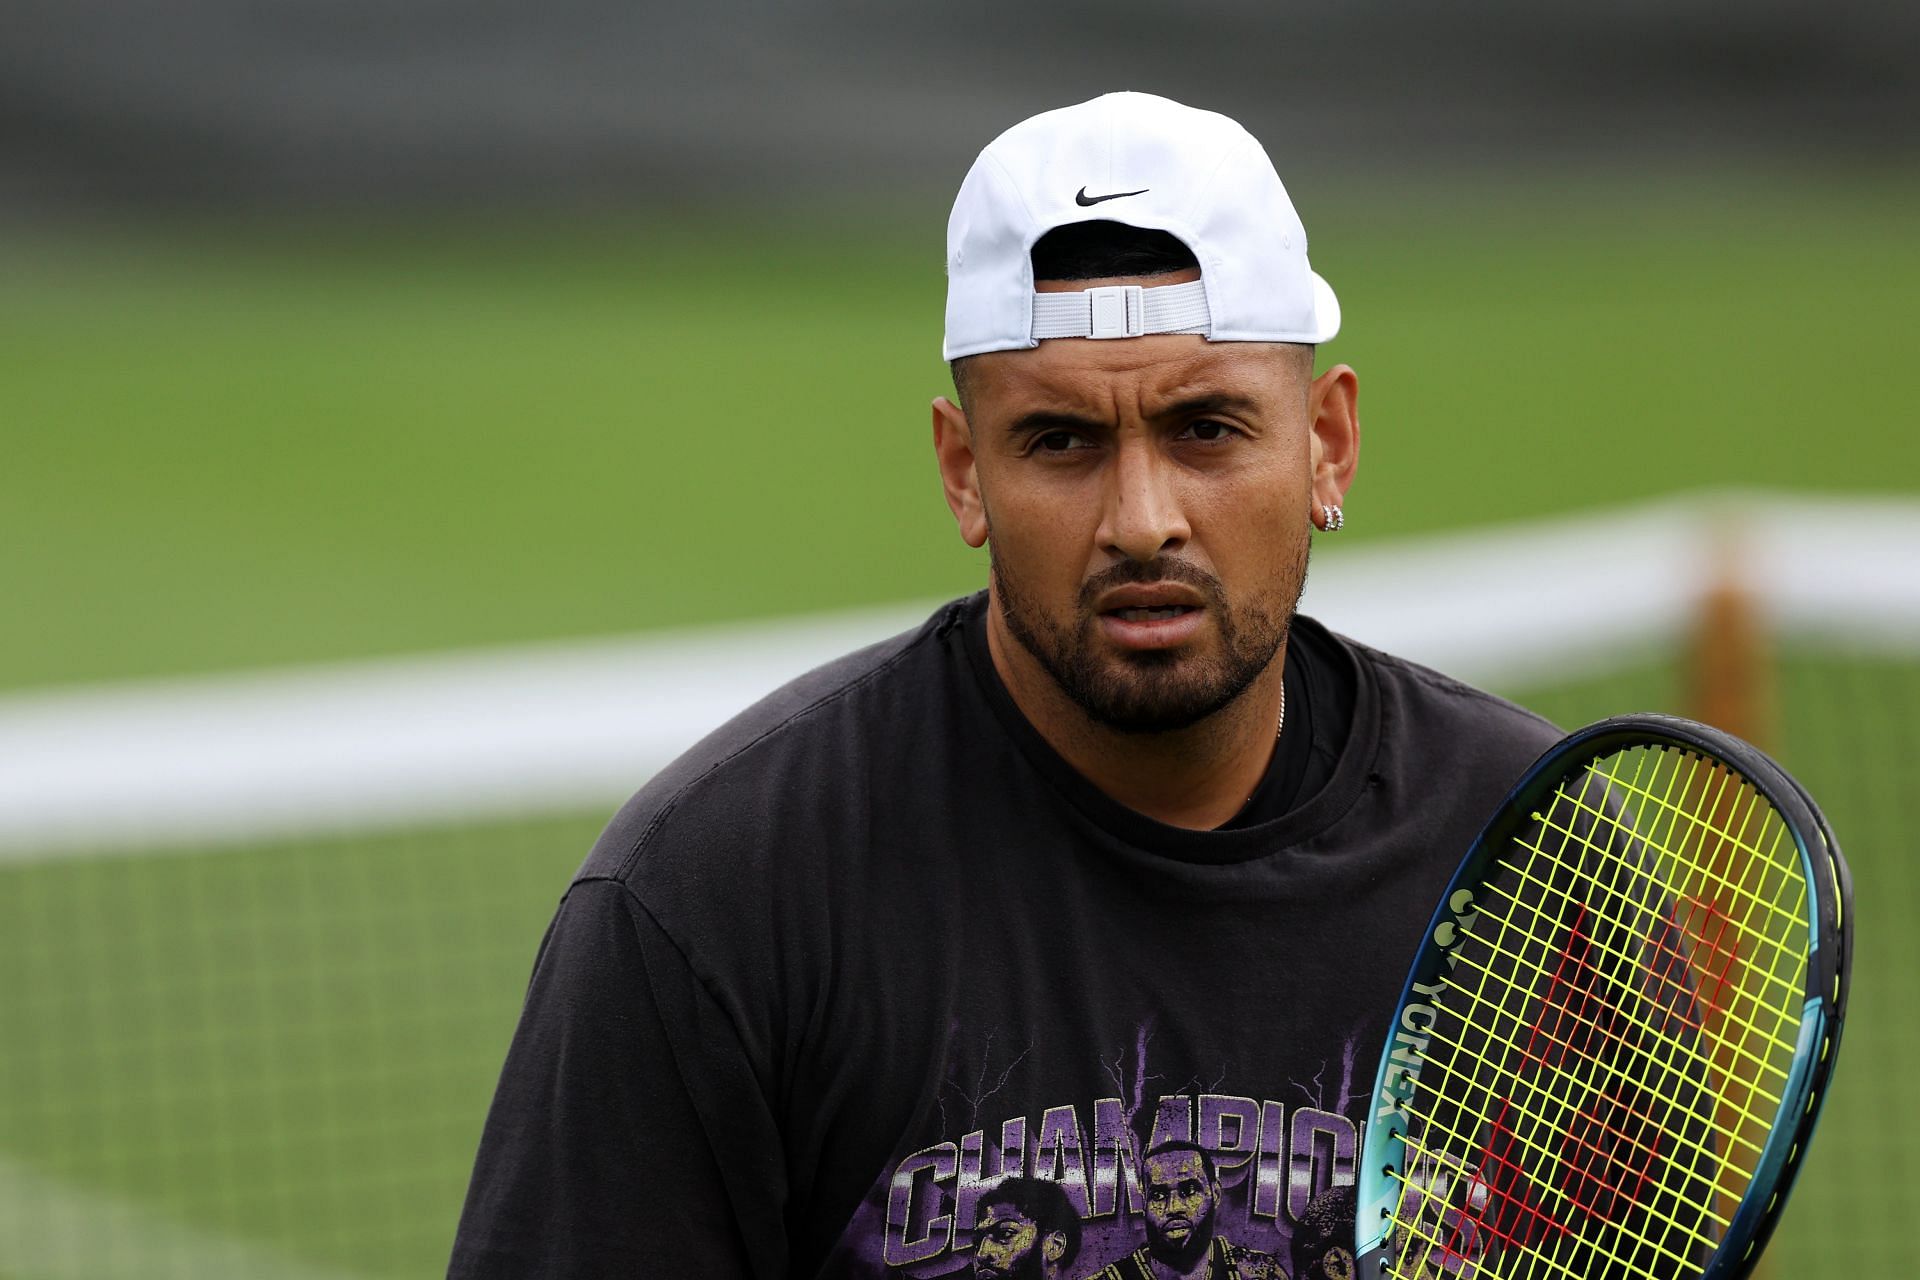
(1198,777)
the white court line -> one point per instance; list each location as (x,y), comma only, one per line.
(544,728)
(52,1231)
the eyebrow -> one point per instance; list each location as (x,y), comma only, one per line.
(1209,402)
(1065,419)
(1054,420)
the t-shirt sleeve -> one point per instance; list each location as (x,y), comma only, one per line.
(595,1159)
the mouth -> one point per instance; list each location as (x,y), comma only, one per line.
(1142,613)
(1150,626)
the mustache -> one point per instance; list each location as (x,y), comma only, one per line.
(1134,573)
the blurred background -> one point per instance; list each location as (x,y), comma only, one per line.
(420,419)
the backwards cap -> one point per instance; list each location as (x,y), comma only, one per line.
(1148,162)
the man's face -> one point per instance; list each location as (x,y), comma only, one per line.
(1180,1202)
(1009,1245)
(1147,504)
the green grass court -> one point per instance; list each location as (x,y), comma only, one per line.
(231,448)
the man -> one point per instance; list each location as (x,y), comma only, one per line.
(1116,854)
(1027,1231)
(1182,1220)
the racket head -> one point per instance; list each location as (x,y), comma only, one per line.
(1615,1038)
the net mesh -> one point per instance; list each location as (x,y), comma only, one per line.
(1613,1034)
(265,1062)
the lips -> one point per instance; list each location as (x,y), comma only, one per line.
(1138,601)
(1152,615)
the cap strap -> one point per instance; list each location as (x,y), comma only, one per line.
(1122,311)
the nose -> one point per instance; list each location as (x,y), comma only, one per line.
(1142,515)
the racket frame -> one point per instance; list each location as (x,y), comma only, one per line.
(1829,966)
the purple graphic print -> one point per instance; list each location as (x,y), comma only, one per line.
(1172,1168)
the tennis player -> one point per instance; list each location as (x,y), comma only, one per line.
(1120,855)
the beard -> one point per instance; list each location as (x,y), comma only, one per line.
(1027,1267)
(1155,690)
(1181,1255)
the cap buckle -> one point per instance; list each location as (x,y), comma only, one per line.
(1118,311)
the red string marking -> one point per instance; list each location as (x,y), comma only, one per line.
(1431,1181)
(1672,969)
(1500,1200)
(1571,1017)
(1719,945)
(1598,1179)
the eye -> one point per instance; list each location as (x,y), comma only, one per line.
(1209,431)
(1060,442)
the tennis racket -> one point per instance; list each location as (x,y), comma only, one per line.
(1616,1037)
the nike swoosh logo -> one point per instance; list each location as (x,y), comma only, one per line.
(1083,199)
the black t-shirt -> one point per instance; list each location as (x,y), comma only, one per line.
(873,947)
(1320,685)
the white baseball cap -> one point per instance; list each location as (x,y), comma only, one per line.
(1151,163)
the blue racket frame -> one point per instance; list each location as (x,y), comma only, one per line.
(1830,964)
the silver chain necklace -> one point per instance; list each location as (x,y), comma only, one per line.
(1277,729)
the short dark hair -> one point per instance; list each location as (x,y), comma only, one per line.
(1101,249)
(1041,1202)
(1181,1144)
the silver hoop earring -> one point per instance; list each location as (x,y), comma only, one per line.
(1332,519)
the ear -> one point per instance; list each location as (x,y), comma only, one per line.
(1333,415)
(953,447)
(1054,1246)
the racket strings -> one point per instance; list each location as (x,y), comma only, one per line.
(1697,1021)
(1613,994)
(1529,1208)
(1733,1032)
(1611,1127)
(1517,1217)
(1519,1213)
(1754,858)
(1646,925)
(1619,1075)
(1603,1125)
(1753,867)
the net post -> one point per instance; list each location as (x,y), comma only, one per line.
(1729,675)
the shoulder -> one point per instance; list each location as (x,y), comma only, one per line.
(738,858)
(1441,753)
(787,753)
(1426,710)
